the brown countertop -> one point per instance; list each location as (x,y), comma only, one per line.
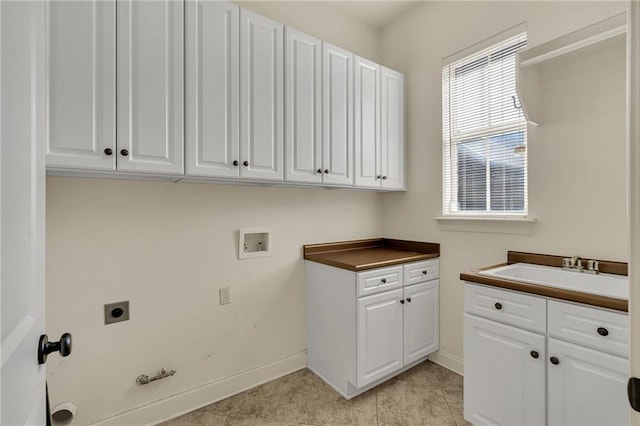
(373,253)
(556,293)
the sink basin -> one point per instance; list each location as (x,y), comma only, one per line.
(608,285)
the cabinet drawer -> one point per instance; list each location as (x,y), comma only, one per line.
(598,329)
(418,272)
(507,307)
(377,280)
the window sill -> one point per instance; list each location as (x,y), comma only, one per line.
(521,225)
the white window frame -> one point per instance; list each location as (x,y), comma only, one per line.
(450,141)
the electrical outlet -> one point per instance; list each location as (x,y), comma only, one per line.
(225,296)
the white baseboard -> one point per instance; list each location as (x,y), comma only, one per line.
(209,393)
(448,361)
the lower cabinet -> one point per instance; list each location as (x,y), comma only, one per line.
(365,327)
(518,376)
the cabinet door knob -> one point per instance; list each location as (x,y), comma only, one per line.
(535,354)
(603,331)
(498,306)
(402,301)
(245,163)
(108,151)
(326,171)
(384,177)
(319,171)
(409,299)
(384,280)
(124,152)
(424,272)
(554,360)
(379,177)
(235,163)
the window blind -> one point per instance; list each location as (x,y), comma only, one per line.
(484,133)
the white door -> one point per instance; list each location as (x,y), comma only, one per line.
(212,88)
(337,94)
(633,128)
(22,180)
(81,62)
(392,129)
(421,320)
(367,123)
(586,387)
(379,336)
(150,86)
(303,106)
(261,103)
(504,374)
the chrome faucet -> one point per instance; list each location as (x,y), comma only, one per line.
(575,264)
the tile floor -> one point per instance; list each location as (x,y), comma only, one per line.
(425,395)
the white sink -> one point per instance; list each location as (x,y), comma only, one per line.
(609,285)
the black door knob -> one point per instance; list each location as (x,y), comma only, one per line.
(45,347)
(402,301)
(409,299)
(424,272)
(326,171)
(384,177)
(319,171)
(554,360)
(108,151)
(384,280)
(245,163)
(535,354)
(235,163)
(124,152)
(603,331)
(379,177)
(498,306)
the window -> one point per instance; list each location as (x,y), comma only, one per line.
(484,134)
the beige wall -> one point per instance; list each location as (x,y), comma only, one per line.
(577,157)
(168,248)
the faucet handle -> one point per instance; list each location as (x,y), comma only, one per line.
(566,262)
(592,265)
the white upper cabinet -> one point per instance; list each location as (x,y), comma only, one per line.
(150,86)
(261,103)
(367,123)
(212,88)
(81,65)
(303,70)
(338,115)
(392,129)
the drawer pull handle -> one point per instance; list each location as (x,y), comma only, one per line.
(424,272)
(554,360)
(384,280)
(535,354)
(498,306)
(402,301)
(603,331)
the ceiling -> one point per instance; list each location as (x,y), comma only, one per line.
(375,13)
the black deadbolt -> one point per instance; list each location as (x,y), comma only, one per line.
(498,306)
(603,331)
(117,312)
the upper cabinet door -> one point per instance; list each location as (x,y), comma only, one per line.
(367,123)
(150,86)
(303,70)
(338,115)
(212,95)
(392,129)
(81,65)
(261,105)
